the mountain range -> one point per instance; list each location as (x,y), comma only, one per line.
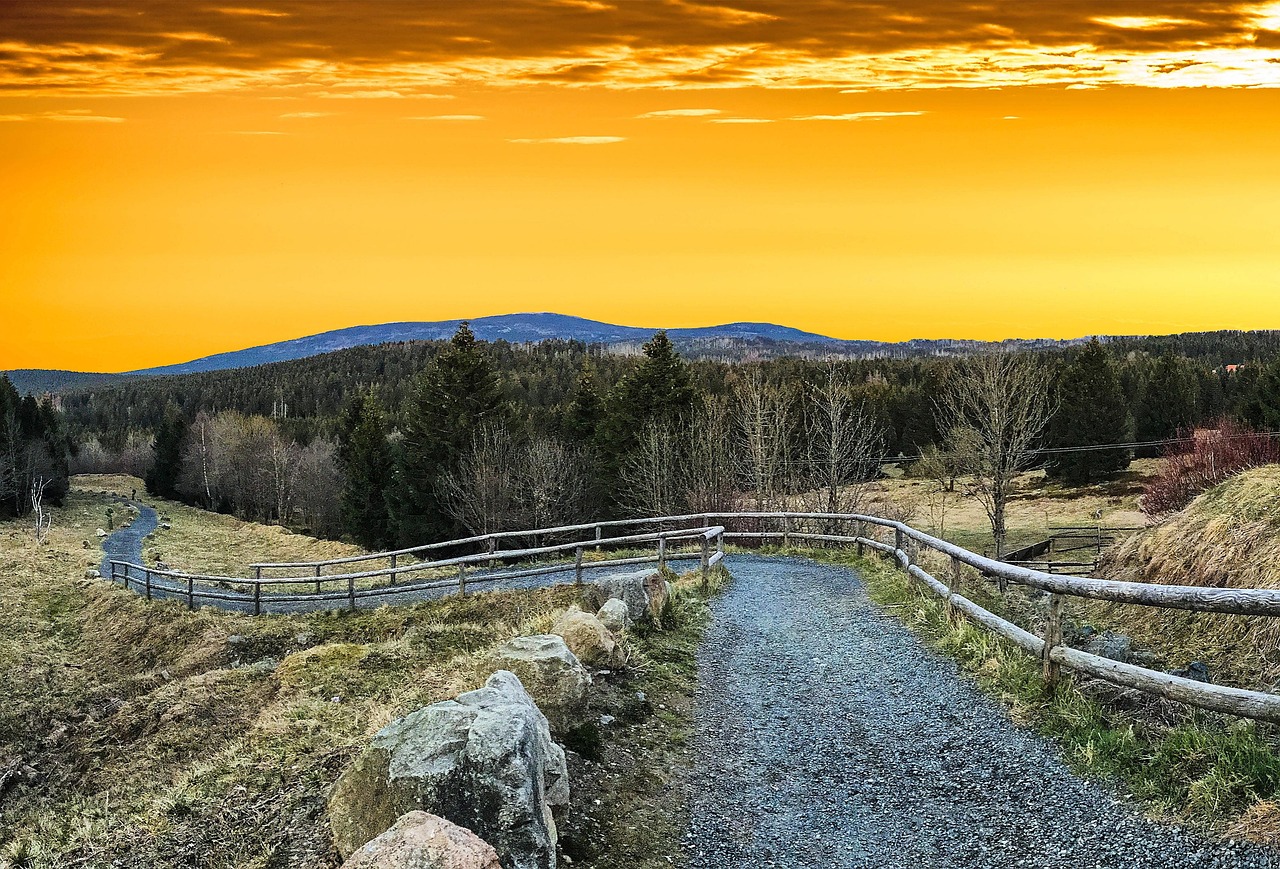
(730,341)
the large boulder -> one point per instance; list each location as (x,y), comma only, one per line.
(615,616)
(484,761)
(423,841)
(645,593)
(552,675)
(587,637)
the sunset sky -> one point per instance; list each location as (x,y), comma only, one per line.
(181,178)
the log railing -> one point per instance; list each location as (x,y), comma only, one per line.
(863,531)
(704,544)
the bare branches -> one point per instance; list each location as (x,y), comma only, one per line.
(764,426)
(651,474)
(992,409)
(844,443)
(43,520)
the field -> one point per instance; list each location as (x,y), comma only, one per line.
(139,734)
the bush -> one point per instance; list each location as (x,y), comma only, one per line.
(1209,458)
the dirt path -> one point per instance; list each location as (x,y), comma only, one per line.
(828,735)
(126,544)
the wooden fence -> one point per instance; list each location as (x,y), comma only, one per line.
(900,543)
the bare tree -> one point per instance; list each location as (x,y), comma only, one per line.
(710,466)
(318,487)
(940,469)
(993,408)
(551,483)
(282,455)
(844,444)
(480,491)
(764,425)
(651,474)
(43,520)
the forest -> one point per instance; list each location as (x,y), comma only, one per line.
(400,444)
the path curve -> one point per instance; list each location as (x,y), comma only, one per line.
(828,735)
(126,543)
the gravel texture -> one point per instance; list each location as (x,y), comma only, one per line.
(829,736)
(126,543)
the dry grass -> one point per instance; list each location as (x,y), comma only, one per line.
(1229,537)
(144,735)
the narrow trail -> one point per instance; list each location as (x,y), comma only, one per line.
(126,543)
(827,735)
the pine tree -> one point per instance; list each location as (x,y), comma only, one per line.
(454,397)
(659,391)
(1263,405)
(1169,399)
(582,419)
(366,459)
(1091,410)
(166,467)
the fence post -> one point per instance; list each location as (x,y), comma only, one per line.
(191,593)
(147,575)
(720,541)
(706,562)
(953,584)
(394,561)
(257,573)
(599,536)
(257,598)
(462,579)
(786,532)
(577,566)
(351,593)
(899,545)
(662,551)
(492,546)
(1052,638)
(317,579)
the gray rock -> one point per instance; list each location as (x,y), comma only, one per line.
(552,675)
(645,593)
(588,638)
(423,841)
(484,761)
(1117,647)
(615,615)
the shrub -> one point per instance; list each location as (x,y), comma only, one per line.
(1209,458)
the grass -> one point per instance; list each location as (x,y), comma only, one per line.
(139,734)
(1213,772)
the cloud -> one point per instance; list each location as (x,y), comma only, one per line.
(680,113)
(742,120)
(1011,118)
(383,94)
(446,118)
(571,140)
(74,115)
(390,49)
(305,115)
(858,116)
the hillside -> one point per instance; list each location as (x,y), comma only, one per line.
(1228,537)
(139,734)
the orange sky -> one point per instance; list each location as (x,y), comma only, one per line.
(182,179)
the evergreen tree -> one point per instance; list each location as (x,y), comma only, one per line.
(166,467)
(365,455)
(1091,410)
(454,396)
(1263,405)
(582,419)
(1169,399)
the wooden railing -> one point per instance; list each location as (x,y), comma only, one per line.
(863,531)
(258,591)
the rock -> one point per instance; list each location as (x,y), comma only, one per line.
(552,675)
(101,533)
(587,637)
(1114,696)
(91,573)
(645,593)
(1117,647)
(615,616)
(165,526)
(423,841)
(1196,670)
(485,761)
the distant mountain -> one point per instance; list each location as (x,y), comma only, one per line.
(513,328)
(731,342)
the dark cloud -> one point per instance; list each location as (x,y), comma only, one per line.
(156,44)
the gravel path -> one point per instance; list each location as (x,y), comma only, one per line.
(827,735)
(126,544)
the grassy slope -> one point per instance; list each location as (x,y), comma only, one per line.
(1228,537)
(145,734)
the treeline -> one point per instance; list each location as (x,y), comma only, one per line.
(34,452)
(404,443)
